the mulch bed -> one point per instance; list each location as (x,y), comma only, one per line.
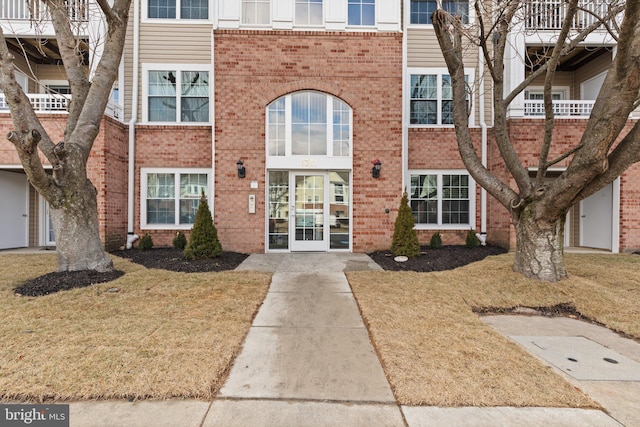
(440,259)
(163,258)
(63,281)
(171,259)
(436,259)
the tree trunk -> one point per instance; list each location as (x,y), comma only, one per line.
(77,235)
(539,248)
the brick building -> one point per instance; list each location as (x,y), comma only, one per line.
(279,109)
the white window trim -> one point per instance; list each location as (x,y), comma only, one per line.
(408,24)
(177,68)
(172,21)
(257,26)
(288,131)
(469,72)
(320,26)
(564,91)
(472,199)
(362,27)
(176,171)
(42,84)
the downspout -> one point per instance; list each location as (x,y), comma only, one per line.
(483,126)
(131,236)
(212,97)
(405,126)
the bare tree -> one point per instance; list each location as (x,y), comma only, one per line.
(538,206)
(70,193)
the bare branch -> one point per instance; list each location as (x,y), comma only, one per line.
(552,65)
(561,158)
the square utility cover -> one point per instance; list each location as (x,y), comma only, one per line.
(582,358)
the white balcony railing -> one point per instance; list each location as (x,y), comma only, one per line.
(549,14)
(22,10)
(569,108)
(57,104)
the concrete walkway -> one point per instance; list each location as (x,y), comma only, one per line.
(308,361)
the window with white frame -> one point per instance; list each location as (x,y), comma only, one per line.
(178,9)
(170,197)
(431,99)
(421,10)
(308,123)
(442,198)
(362,12)
(256,12)
(309,12)
(177,95)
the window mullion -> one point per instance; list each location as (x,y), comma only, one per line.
(287,125)
(178,95)
(439,98)
(176,197)
(439,195)
(329,125)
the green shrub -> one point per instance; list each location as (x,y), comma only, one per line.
(180,241)
(146,242)
(472,240)
(405,239)
(436,240)
(203,241)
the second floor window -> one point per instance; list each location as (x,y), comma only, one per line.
(362,12)
(421,10)
(178,9)
(178,96)
(431,99)
(256,12)
(309,12)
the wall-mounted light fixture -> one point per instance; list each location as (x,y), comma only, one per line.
(242,172)
(375,171)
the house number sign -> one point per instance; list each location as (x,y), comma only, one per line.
(309,163)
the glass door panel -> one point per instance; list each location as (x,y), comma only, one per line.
(278,210)
(339,221)
(309,213)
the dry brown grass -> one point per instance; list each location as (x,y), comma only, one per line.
(436,351)
(162,335)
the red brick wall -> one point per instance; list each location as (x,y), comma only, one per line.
(630,209)
(169,147)
(253,68)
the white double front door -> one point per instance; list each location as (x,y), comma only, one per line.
(309,211)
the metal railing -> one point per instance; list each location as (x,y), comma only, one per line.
(26,10)
(549,14)
(58,104)
(569,108)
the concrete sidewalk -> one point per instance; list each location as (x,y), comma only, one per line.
(308,361)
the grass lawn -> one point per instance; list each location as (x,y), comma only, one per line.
(162,335)
(436,351)
(174,335)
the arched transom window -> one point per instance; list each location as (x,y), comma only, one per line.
(308,123)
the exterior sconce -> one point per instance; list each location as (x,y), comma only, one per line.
(375,171)
(242,172)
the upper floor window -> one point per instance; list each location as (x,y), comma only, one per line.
(178,9)
(421,10)
(309,12)
(177,96)
(308,123)
(431,99)
(362,12)
(256,12)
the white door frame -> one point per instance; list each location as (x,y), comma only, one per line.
(309,245)
(45,223)
(614,221)
(25,209)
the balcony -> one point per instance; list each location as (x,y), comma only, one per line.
(57,104)
(34,10)
(549,14)
(561,109)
